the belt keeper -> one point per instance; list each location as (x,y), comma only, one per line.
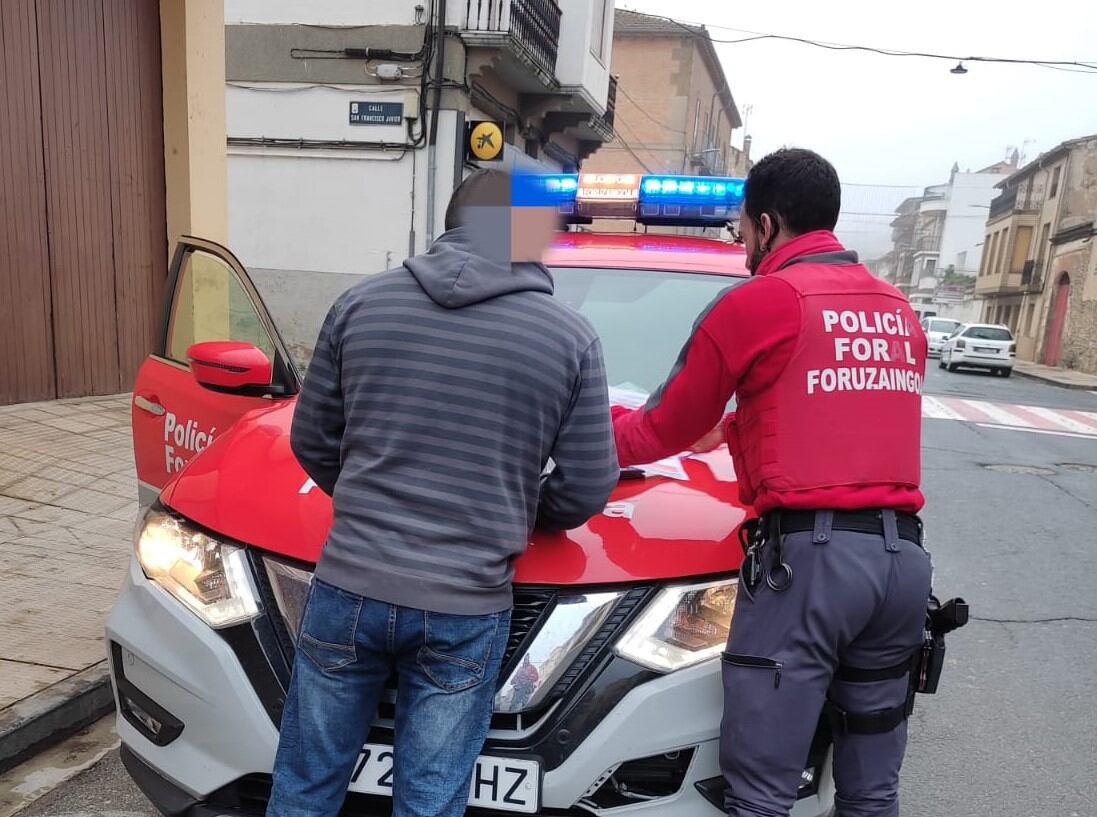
(891,530)
(824,524)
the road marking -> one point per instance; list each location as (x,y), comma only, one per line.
(997,415)
(1039,431)
(1064,422)
(934,409)
(1060,418)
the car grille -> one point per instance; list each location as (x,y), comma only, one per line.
(532,607)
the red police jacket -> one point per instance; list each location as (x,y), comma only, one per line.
(826,362)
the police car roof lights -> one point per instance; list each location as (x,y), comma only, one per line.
(691,200)
(647,199)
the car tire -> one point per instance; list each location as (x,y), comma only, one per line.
(1006,372)
(952,367)
(941,363)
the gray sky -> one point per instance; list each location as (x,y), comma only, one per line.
(904,120)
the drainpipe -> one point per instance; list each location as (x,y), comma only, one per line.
(432,145)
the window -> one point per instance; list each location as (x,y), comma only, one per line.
(942,325)
(1029,319)
(1044,233)
(988,333)
(598,39)
(1054,182)
(210,303)
(1003,252)
(993,252)
(931,266)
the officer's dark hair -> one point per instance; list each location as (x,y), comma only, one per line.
(798,188)
(483,188)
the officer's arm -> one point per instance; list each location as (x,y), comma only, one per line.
(687,407)
(318,420)
(751,329)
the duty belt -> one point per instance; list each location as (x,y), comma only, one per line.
(867,521)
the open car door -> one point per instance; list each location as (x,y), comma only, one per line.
(218,357)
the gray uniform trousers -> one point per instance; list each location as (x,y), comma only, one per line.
(855,599)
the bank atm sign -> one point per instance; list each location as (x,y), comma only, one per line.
(376,113)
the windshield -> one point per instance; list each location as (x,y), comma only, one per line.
(988,333)
(947,327)
(642,316)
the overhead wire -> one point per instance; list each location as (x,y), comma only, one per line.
(643,110)
(1072,66)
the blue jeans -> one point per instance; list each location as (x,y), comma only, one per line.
(447,666)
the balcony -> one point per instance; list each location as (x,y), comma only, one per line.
(527,30)
(1003,204)
(611,102)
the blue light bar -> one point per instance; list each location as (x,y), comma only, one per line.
(551,190)
(689,200)
(660,199)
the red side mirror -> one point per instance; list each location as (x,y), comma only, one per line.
(230,366)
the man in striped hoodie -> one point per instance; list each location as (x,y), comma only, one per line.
(450,406)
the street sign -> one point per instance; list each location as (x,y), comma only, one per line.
(376,113)
(484,141)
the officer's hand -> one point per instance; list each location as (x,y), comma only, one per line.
(714,439)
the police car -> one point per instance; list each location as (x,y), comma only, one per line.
(622,620)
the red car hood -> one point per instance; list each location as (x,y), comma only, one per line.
(249,487)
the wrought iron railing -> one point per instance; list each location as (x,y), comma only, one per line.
(1003,203)
(533,26)
(611,101)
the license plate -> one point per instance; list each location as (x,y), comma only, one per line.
(986,350)
(502,783)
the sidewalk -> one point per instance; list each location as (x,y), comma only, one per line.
(1067,378)
(68,498)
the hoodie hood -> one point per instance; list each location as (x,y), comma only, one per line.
(454,275)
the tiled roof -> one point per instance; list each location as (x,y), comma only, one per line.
(633,22)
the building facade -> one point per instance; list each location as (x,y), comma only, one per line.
(937,242)
(1038,273)
(675,112)
(111,146)
(319,197)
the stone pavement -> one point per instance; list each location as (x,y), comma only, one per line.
(68,499)
(1067,378)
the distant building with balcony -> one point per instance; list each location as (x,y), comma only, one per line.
(938,236)
(319,195)
(675,112)
(1039,271)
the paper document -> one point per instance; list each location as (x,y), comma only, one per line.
(632,398)
(671,467)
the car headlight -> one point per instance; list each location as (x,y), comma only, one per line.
(208,576)
(682,626)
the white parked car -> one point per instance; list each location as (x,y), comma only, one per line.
(980,346)
(937,332)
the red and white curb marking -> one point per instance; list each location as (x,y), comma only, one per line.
(1065,422)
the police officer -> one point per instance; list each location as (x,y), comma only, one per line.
(826,362)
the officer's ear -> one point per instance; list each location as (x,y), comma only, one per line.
(769,227)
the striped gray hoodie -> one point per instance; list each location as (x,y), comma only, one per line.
(437,394)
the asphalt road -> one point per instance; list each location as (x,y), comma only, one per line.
(1013,732)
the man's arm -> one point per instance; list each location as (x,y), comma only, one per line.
(752,329)
(585,462)
(318,421)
